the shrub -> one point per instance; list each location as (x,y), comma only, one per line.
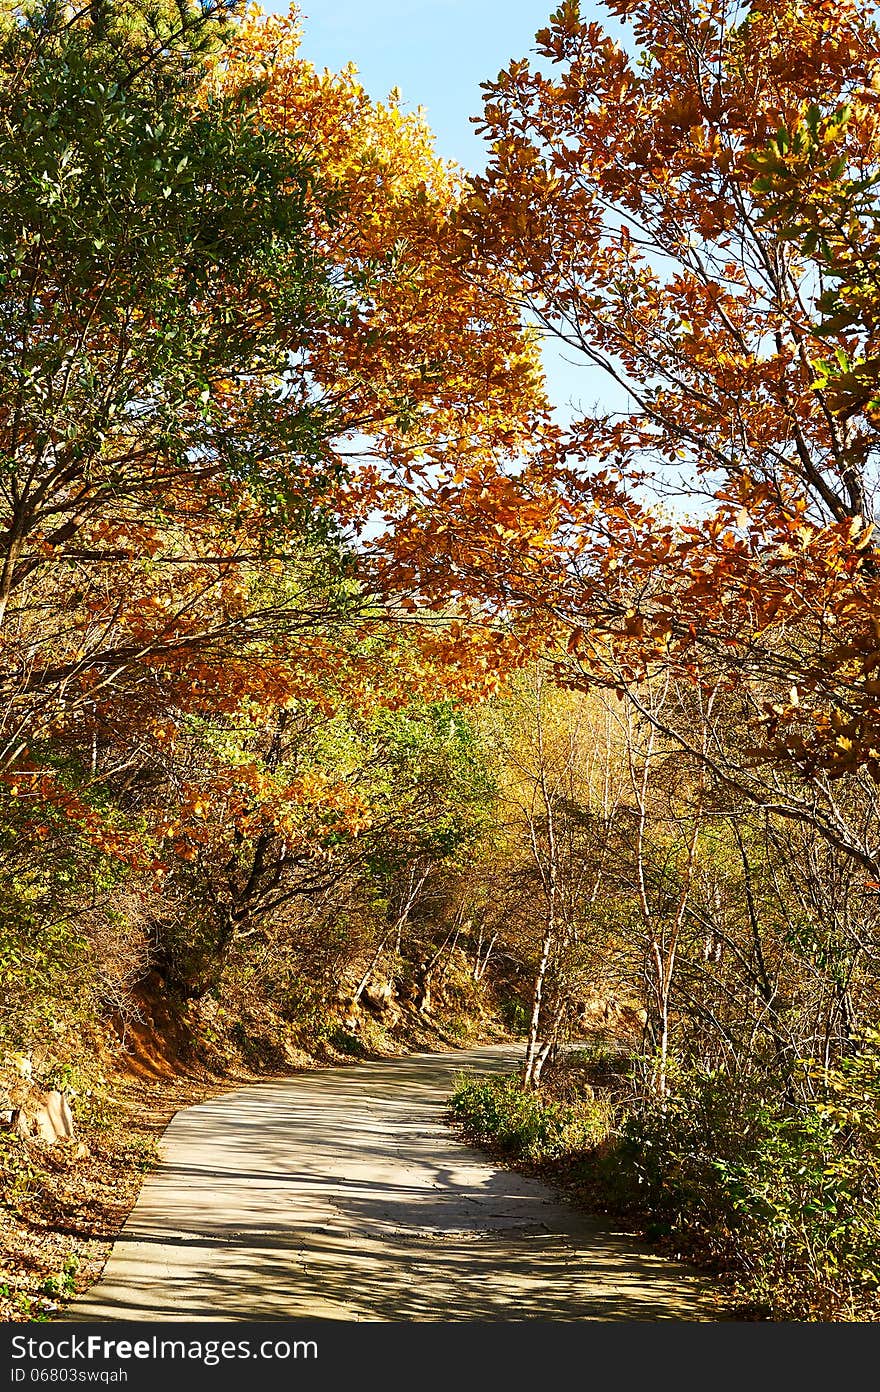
(527,1125)
(347,1043)
(785,1193)
(515,1015)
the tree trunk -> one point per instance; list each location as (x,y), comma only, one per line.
(531,1067)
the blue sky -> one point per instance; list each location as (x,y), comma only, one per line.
(437,52)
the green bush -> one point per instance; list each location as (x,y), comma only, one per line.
(347,1043)
(515,1015)
(784,1193)
(527,1125)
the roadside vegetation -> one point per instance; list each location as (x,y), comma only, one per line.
(781,1200)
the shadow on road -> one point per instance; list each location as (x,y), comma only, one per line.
(343,1195)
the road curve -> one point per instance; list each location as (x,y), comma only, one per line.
(341,1194)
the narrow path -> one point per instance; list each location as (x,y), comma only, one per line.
(343,1195)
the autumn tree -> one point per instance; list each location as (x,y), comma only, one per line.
(626,209)
(429,366)
(561,776)
(229,320)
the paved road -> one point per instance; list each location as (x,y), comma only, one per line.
(341,1194)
